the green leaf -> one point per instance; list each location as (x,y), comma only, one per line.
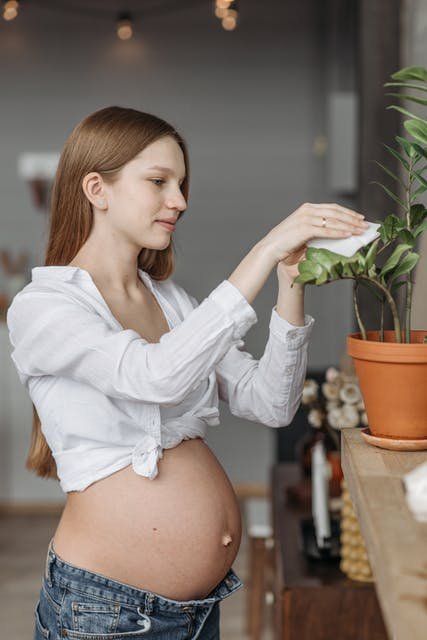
(417,129)
(408,97)
(418,214)
(327,259)
(372,254)
(304,279)
(406,145)
(420,178)
(405,112)
(322,278)
(396,285)
(336,271)
(407,264)
(398,156)
(309,269)
(391,226)
(390,173)
(347,271)
(422,227)
(419,149)
(390,193)
(407,85)
(410,73)
(406,236)
(393,260)
(353,266)
(417,192)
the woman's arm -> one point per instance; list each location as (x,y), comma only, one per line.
(269,390)
(53,334)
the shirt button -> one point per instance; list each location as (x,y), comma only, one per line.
(289,371)
(292,334)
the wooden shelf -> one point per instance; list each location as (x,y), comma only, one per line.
(314,600)
(395,541)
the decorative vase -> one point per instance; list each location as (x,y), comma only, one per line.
(305,447)
(304,452)
(393,379)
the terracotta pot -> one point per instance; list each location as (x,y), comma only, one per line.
(393,382)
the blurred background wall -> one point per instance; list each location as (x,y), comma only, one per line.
(269,111)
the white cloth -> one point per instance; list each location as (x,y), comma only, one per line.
(415,483)
(107,398)
(347,246)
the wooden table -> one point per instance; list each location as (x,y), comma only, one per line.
(313,600)
(395,541)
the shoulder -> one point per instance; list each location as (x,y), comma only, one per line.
(44,299)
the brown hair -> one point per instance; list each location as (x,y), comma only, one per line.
(103,142)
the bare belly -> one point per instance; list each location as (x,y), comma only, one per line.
(176,535)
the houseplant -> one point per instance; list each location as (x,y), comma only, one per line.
(391,365)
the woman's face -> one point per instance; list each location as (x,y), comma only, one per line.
(147,191)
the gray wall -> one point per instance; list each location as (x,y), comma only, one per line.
(250,104)
(415,53)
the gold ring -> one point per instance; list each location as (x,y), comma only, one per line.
(323,222)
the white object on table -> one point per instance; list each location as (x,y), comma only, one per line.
(347,246)
(415,483)
(320,475)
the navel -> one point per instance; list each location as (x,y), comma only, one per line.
(226,539)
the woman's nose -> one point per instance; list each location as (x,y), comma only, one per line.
(177,201)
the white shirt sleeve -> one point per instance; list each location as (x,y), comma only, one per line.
(52,334)
(268,390)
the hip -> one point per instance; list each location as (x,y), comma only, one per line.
(78,604)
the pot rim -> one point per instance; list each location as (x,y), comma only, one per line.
(415,352)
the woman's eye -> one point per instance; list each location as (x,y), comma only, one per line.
(158,181)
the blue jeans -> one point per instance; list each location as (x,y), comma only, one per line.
(82,605)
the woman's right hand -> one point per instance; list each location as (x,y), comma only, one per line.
(287,240)
(286,243)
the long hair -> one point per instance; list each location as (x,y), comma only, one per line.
(103,142)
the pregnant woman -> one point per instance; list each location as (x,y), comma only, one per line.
(125,370)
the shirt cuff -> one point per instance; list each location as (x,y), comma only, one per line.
(235,305)
(288,332)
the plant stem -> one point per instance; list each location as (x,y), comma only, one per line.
(382,320)
(387,296)
(357,312)
(408,309)
(408,195)
(387,244)
(408,302)
(391,302)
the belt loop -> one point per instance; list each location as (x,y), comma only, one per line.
(50,556)
(148,605)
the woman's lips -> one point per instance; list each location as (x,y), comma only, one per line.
(167,225)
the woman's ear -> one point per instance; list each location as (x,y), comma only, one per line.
(94,190)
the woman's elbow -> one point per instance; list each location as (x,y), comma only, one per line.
(282,416)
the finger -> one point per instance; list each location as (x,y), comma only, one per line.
(331,223)
(333,215)
(338,207)
(326,232)
(332,218)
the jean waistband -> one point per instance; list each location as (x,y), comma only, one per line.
(63,573)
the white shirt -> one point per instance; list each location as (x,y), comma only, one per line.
(107,398)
